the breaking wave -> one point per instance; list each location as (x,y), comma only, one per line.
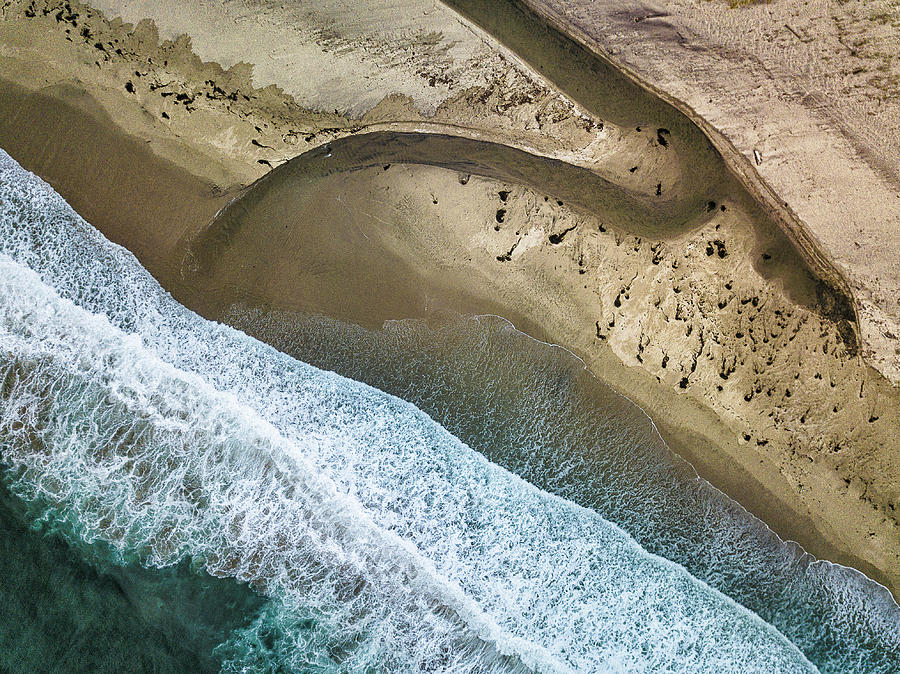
(148,436)
(379,539)
(536,410)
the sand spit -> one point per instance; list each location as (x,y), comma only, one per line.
(736,364)
(806,93)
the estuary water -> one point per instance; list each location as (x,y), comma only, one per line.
(178,494)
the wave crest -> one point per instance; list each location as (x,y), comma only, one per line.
(382,539)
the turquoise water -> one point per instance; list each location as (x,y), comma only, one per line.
(66,608)
(534,409)
(328,526)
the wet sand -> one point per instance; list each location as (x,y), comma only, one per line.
(376,243)
(145,203)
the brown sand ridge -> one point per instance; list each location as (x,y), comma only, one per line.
(734,336)
(805,92)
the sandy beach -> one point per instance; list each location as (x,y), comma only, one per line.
(802,95)
(205,159)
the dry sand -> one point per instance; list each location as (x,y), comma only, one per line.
(743,375)
(810,86)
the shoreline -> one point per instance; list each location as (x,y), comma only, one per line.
(722,474)
(678,445)
(763,491)
(755,487)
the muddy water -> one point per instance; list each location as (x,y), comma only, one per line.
(584,76)
(582,189)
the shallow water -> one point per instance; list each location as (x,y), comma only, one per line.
(536,410)
(579,187)
(369,535)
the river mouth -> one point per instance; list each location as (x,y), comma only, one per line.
(691,182)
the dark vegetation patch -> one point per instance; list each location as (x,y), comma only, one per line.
(718,247)
(557,238)
(507,256)
(662,137)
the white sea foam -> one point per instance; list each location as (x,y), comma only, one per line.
(382,540)
(158,464)
(162,466)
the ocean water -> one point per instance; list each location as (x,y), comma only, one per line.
(63,610)
(181,465)
(535,409)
